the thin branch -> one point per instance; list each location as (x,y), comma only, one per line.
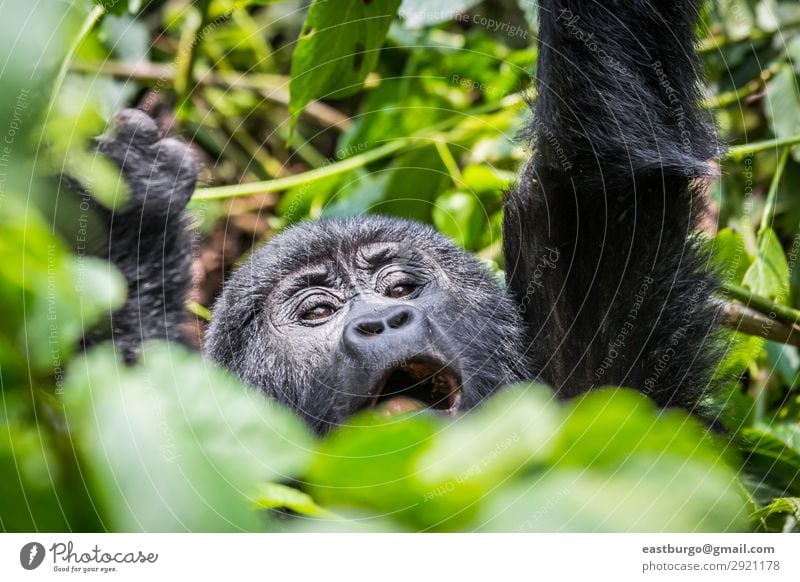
(281,184)
(768,215)
(416,140)
(187,53)
(738,95)
(751,322)
(769,308)
(740,151)
(716,43)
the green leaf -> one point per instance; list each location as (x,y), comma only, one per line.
(647,494)
(175,444)
(515,430)
(784,361)
(117,6)
(460,216)
(419,13)
(370,466)
(782,105)
(606,426)
(482,179)
(773,455)
(29,489)
(729,255)
(769,274)
(406,189)
(338,47)
(620,464)
(275,495)
(784,511)
(54,295)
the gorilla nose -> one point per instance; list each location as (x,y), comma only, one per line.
(384,329)
(394,318)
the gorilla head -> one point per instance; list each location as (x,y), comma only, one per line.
(336,316)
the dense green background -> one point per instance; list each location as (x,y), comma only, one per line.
(342,108)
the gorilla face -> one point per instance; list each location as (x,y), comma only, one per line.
(338,316)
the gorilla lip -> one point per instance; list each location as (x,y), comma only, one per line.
(427,381)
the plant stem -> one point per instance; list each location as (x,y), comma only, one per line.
(359,161)
(740,151)
(769,207)
(712,44)
(280,184)
(737,95)
(762,304)
(86,28)
(187,53)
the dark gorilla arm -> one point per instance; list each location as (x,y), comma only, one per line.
(147,238)
(599,252)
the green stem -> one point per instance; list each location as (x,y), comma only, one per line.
(359,161)
(187,53)
(450,163)
(280,184)
(736,96)
(762,304)
(769,207)
(713,44)
(200,311)
(86,28)
(740,151)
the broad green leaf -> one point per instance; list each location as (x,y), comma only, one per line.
(460,216)
(482,179)
(782,105)
(406,189)
(370,466)
(419,13)
(119,6)
(358,195)
(784,361)
(653,493)
(417,178)
(773,455)
(338,47)
(29,489)
(769,273)
(515,430)
(729,255)
(175,444)
(606,426)
(54,297)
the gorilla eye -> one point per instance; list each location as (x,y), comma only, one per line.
(398,291)
(319,312)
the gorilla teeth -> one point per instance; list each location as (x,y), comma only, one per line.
(430,383)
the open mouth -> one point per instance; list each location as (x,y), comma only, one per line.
(419,384)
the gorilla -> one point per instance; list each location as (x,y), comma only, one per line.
(605,283)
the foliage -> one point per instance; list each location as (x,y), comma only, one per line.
(301,112)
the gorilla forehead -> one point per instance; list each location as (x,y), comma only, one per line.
(340,242)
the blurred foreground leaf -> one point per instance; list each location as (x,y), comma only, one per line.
(175,444)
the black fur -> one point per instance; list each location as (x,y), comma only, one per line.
(605,283)
(147,237)
(621,151)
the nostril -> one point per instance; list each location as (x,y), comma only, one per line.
(370,328)
(399,319)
